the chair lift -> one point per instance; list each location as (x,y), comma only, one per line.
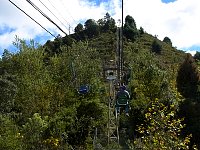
(83,89)
(122,102)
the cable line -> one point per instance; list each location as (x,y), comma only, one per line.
(59,13)
(65,8)
(68,11)
(32,4)
(122,42)
(32,18)
(53,14)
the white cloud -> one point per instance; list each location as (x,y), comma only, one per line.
(191,52)
(178,20)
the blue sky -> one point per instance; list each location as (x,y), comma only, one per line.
(176,19)
(168,1)
(5,29)
(98,2)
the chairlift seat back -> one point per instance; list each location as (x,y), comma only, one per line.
(122,99)
(83,89)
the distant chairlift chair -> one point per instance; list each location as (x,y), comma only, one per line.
(83,89)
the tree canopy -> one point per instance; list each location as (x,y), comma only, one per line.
(130,29)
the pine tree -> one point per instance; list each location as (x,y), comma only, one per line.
(188,78)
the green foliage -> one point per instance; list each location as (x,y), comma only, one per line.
(154,82)
(60,125)
(33,131)
(61,122)
(130,21)
(7,91)
(141,31)
(188,78)
(10,137)
(104,46)
(39,86)
(147,77)
(167,40)
(6,55)
(149,82)
(109,23)
(7,64)
(50,89)
(190,111)
(67,40)
(162,129)
(78,28)
(130,30)
(91,28)
(33,82)
(53,48)
(197,55)
(188,85)
(90,114)
(156,46)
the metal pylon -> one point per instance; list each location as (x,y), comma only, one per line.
(96,144)
(113,133)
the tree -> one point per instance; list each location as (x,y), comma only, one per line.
(109,23)
(50,48)
(8,88)
(11,138)
(51,90)
(33,132)
(188,85)
(101,23)
(6,65)
(130,28)
(8,91)
(67,40)
(130,22)
(6,55)
(188,78)
(167,40)
(141,30)
(197,56)
(156,46)
(78,28)
(91,28)
(89,115)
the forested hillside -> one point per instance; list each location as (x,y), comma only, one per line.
(41,108)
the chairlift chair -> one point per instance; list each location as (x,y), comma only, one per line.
(122,102)
(83,89)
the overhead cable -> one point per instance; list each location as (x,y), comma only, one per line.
(64,6)
(121,52)
(58,12)
(32,18)
(52,13)
(37,8)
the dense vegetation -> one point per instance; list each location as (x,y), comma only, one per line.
(40,107)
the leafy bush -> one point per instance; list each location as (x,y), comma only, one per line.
(10,136)
(161,129)
(156,47)
(33,132)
